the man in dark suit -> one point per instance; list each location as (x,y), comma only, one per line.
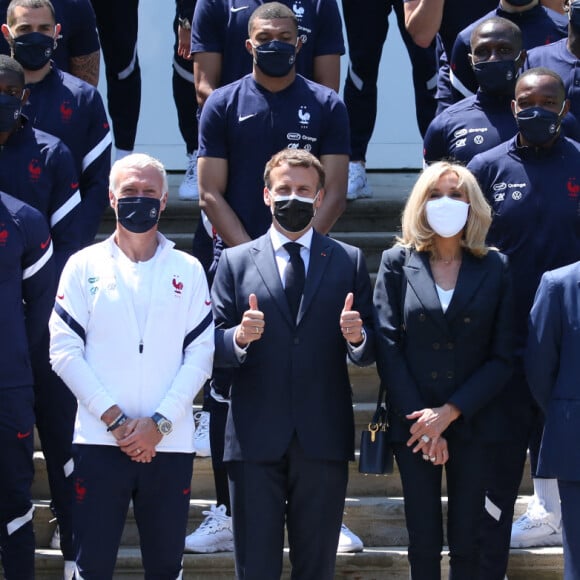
(290,428)
(552,370)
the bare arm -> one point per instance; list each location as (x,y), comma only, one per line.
(86,67)
(184,42)
(207,71)
(423,20)
(327,71)
(557,5)
(334,203)
(212,175)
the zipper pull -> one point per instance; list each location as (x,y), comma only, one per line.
(140,347)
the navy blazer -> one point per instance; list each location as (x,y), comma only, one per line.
(294,380)
(428,358)
(553,370)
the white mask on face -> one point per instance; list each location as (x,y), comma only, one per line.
(446,216)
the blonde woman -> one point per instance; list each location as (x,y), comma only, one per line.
(443,308)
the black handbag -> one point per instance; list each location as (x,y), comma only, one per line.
(376,455)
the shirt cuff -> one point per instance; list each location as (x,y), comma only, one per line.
(356,349)
(240,352)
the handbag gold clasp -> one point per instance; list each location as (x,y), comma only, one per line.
(373,428)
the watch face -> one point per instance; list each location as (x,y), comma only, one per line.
(165,427)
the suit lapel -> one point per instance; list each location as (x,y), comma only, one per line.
(320,254)
(470,277)
(421,281)
(262,253)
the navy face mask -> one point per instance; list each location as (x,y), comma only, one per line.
(275,58)
(33,50)
(10,108)
(538,125)
(496,77)
(138,214)
(574,14)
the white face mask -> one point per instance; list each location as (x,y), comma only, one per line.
(446,216)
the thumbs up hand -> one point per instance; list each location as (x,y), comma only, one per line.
(351,323)
(252,326)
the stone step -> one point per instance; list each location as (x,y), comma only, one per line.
(378,521)
(371,564)
(202,482)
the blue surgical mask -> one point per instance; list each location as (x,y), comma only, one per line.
(538,125)
(10,108)
(574,14)
(496,77)
(275,58)
(138,214)
(33,50)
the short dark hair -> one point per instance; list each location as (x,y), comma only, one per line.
(10,19)
(269,11)
(8,64)
(542,71)
(504,23)
(294,158)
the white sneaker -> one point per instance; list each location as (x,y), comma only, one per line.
(188,188)
(201,444)
(213,535)
(358,186)
(536,528)
(69,570)
(348,541)
(55,540)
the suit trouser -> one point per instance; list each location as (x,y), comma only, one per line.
(118,23)
(55,407)
(307,494)
(106,480)
(423,510)
(570,498)
(367,25)
(17,473)
(184,96)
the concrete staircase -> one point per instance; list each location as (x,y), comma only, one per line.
(374,505)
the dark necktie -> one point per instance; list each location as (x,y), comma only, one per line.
(294,276)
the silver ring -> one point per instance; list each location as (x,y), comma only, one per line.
(425,438)
(432,459)
(138,451)
(347,330)
(257,330)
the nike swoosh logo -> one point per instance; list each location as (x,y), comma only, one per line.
(207,302)
(22,435)
(60,296)
(245,117)
(232,9)
(44,245)
(74,185)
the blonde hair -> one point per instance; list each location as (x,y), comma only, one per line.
(417,233)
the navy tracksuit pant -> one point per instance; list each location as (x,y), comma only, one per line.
(17,473)
(117,23)
(106,480)
(367,25)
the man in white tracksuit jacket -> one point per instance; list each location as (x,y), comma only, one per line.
(132,337)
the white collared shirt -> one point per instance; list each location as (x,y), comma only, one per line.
(282,257)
